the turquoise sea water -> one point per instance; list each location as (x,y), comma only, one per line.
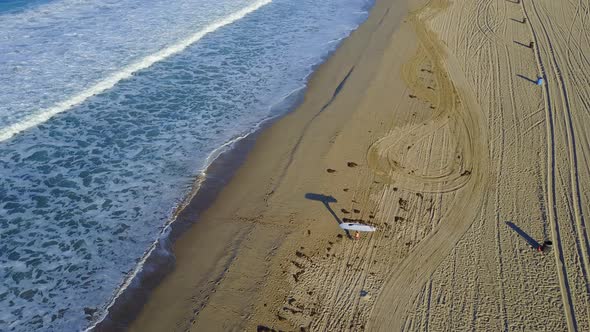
(108,111)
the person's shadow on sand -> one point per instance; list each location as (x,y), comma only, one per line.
(326,200)
(531,242)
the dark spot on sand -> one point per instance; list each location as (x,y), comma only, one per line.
(300,254)
(466,172)
(344,211)
(308,232)
(394,188)
(345,189)
(403,204)
(371,216)
(419,195)
(329,170)
(296,275)
(412,96)
(431,88)
(290,301)
(281,318)
(339,236)
(397,218)
(356,211)
(432,107)
(352,164)
(262,328)
(299,266)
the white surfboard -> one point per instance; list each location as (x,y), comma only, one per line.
(357,227)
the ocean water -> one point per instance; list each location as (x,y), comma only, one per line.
(13,6)
(110,109)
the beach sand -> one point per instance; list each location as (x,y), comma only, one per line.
(427,124)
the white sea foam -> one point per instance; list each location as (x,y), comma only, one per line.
(107,83)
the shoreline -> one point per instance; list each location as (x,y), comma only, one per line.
(158,261)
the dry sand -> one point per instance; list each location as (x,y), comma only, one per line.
(429,126)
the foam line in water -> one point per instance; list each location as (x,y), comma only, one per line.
(126,72)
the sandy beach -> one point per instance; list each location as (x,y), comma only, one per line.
(428,124)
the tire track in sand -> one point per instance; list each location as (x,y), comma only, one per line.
(459,113)
(551,118)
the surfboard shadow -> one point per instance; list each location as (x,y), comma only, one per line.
(326,200)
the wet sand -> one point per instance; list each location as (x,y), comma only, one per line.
(427,124)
